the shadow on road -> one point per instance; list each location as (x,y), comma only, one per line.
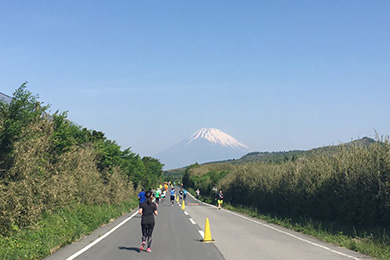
(136,249)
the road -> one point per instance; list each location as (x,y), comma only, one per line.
(177,236)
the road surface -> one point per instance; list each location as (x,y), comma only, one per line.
(178,235)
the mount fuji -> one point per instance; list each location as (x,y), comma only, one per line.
(205,145)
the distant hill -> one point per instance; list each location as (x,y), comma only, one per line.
(292,155)
(276,157)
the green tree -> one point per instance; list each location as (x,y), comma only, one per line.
(134,168)
(65,135)
(23,110)
(153,172)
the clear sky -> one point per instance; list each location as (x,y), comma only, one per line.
(276,75)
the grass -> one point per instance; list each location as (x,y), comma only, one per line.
(369,241)
(57,229)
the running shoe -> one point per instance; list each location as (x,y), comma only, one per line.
(149,250)
(142,246)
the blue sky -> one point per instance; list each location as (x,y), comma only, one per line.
(277,75)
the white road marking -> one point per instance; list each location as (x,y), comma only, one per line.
(100,238)
(201,233)
(286,233)
(185,212)
(192,221)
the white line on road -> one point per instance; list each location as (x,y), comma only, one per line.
(192,221)
(100,238)
(286,233)
(201,233)
(185,212)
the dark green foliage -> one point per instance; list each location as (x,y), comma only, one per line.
(175,175)
(207,182)
(49,164)
(65,135)
(134,168)
(154,172)
(23,110)
(108,154)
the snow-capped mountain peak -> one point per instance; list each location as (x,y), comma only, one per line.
(217,136)
(205,145)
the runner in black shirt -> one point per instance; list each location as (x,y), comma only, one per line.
(147,209)
(219,198)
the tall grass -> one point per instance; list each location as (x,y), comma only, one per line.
(350,187)
(47,203)
(35,185)
(59,181)
(59,228)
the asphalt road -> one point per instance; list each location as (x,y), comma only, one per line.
(176,236)
(241,237)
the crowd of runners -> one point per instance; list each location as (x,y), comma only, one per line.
(149,201)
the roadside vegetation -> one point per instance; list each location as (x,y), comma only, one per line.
(174,176)
(341,196)
(59,181)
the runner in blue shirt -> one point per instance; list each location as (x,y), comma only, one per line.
(141,197)
(172,196)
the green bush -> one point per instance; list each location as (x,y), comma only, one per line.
(53,170)
(350,186)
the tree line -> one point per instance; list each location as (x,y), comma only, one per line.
(48,163)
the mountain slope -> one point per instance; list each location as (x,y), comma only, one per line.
(292,155)
(205,145)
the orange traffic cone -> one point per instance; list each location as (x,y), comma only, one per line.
(207,233)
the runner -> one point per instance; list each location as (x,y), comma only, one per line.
(197,193)
(184,194)
(158,195)
(163,194)
(172,196)
(147,210)
(219,198)
(141,196)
